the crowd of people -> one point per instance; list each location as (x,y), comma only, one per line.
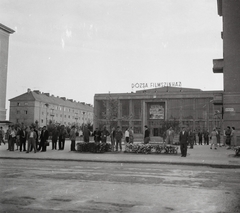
(213,138)
(116,136)
(31,138)
(35,139)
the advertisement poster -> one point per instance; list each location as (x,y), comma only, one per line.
(156,111)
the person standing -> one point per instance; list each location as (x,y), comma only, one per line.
(183,139)
(31,138)
(73,138)
(8,137)
(104,134)
(118,136)
(218,136)
(191,138)
(86,134)
(169,136)
(112,137)
(2,136)
(55,134)
(23,138)
(131,135)
(206,137)
(200,134)
(96,135)
(62,137)
(146,135)
(43,139)
(18,137)
(228,137)
(213,137)
(12,138)
(126,134)
(233,137)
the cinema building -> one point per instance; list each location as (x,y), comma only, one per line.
(197,109)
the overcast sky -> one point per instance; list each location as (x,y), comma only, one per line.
(76,48)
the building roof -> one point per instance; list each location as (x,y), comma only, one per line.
(50,99)
(6,29)
(168,89)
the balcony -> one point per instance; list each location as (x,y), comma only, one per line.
(218,65)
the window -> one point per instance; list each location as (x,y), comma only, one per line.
(26,111)
(18,104)
(137,109)
(18,112)
(125,108)
(42,121)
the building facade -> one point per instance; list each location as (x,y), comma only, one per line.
(35,106)
(229,65)
(4,46)
(197,109)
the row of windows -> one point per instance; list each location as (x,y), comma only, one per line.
(65,109)
(54,107)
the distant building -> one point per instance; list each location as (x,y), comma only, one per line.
(197,109)
(4,43)
(229,65)
(35,106)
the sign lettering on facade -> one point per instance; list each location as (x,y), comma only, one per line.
(229,110)
(155,85)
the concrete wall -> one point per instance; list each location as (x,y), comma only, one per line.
(4,42)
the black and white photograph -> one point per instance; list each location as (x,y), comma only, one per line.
(119,106)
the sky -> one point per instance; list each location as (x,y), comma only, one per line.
(77,48)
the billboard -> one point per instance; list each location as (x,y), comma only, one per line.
(157,111)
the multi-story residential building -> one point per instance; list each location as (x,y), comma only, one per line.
(4,44)
(42,107)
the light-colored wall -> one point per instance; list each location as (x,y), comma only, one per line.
(4,42)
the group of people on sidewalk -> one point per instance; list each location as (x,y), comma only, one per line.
(188,138)
(116,136)
(36,139)
(31,138)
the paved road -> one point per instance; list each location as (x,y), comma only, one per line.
(50,186)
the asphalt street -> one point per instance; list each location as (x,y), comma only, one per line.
(71,186)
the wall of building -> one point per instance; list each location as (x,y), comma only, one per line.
(230,11)
(38,111)
(195,110)
(231,45)
(4,43)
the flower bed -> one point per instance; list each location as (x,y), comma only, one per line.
(237,150)
(151,148)
(93,147)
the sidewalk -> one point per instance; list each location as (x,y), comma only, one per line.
(199,156)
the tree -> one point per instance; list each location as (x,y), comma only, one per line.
(111,113)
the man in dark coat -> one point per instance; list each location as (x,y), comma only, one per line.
(23,138)
(183,139)
(55,134)
(146,135)
(62,136)
(97,135)
(43,139)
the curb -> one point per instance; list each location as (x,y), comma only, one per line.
(224,166)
